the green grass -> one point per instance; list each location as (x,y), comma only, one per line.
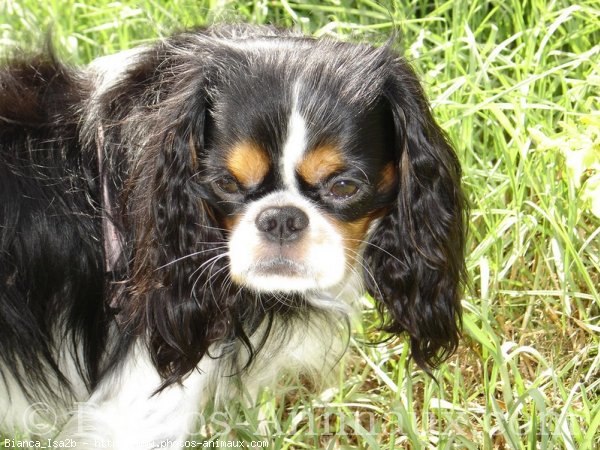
(517,87)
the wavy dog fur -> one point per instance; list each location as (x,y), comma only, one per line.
(120,214)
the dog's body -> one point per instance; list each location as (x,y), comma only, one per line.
(183,222)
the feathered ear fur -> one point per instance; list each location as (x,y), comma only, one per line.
(177,247)
(416,254)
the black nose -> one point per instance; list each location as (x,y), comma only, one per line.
(282,224)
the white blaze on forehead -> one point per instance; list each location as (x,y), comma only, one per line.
(294,146)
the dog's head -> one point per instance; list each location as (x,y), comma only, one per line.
(268,165)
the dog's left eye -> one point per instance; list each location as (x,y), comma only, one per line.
(343,189)
(228,185)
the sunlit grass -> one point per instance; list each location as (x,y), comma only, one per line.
(516,85)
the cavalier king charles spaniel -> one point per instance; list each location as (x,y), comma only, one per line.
(184,222)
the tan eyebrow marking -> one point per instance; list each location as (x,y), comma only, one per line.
(320,163)
(248,163)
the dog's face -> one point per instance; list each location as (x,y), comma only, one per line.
(287,166)
(297,190)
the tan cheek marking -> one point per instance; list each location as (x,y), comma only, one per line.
(354,233)
(248,163)
(320,163)
(230,222)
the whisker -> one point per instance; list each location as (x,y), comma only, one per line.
(209,227)
(208,282)
(367,269)
(191,255)
(362,241)
(211,261)
(206,266)
(231,202)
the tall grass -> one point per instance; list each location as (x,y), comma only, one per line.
(517,87)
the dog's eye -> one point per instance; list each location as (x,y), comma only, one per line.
(343,189)
(228,185)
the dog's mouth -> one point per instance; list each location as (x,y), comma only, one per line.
(279,274)
(280,266)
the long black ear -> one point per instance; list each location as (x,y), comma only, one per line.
(178,249)
(416,254)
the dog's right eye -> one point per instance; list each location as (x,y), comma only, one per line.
(228,185)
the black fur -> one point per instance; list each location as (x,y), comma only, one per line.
(417,278)
(51,269)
